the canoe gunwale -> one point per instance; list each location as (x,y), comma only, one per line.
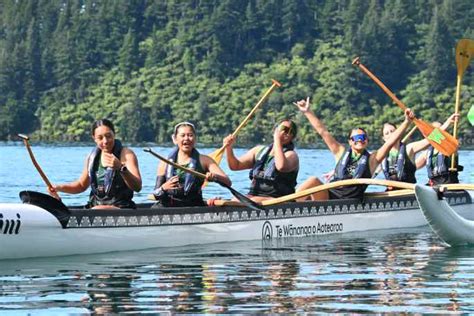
(144,215)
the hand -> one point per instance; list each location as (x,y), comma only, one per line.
(53,191)
(409,115)
(453,118)
(327,176)
(278,135)
(110,161)
(211,177)
(228,141)
(303,105)
(171,184)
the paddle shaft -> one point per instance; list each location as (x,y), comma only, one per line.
(242,198)
(464,50)
(331,185)
(36,164)
(379,83)
(456,111)
(191,171)
(265,96)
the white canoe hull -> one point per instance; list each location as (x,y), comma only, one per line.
(451,227)
(34,232)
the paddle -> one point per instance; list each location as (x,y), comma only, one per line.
(335,184)
(408,135)
(38,168)
(49,203)
(242,198)
(405,189)
(464,51)
(439,139)
(217,155)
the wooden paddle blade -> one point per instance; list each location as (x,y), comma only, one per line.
(217,155)
(464,52)
(439,139)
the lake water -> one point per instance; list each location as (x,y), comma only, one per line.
(396,271)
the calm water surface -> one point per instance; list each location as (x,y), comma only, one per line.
(383,271)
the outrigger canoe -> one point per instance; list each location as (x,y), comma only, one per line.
(451,227)
(42,226)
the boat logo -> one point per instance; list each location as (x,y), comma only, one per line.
(267,231)
(10,226)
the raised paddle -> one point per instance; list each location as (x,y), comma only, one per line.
(217,155)
(37,166)
(439,139)
(242,198)
(464,51)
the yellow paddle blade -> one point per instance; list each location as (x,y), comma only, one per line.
(217,155)
(464,52)
(439,139)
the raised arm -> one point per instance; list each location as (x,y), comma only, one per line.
(334,146)
(244,162)
(377,157)
(284,162)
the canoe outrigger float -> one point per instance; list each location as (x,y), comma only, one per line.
(42,226)
(451,227)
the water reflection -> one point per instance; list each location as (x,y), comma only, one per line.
(395,272)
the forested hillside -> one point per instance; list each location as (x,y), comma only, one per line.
(150,64)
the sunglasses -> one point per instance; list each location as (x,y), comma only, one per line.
(359,138)
(285,129)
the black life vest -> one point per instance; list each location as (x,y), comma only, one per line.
(114,191)
(267,180)
(361,169)
(438,173)
(404,170)
(190,193)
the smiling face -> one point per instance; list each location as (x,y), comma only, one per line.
(358,140)
(185,138)
(104,138)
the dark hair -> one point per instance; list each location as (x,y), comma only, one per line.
(293,126)
(383,126)
(189,124)
(103,122)
(365,132)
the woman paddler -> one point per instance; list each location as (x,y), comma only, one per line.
(273,168)
(354,161)
(111,171)
(400,164)
(438,165)
(177,188)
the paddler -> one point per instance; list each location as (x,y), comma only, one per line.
(111,171)
(354,161)
(400,164)
(273,168)
(438,165)
(176,188)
